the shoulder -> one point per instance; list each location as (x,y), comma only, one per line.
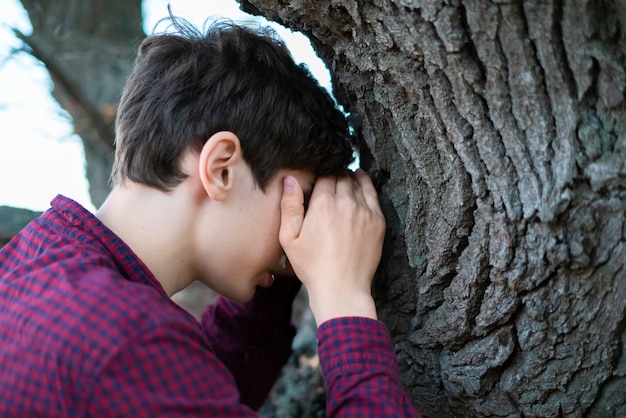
(121,310)
(79,298)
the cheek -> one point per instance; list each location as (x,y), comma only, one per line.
(272,231)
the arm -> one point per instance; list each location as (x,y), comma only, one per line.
(335,250)
(359,366)
(162,365)
(254,339)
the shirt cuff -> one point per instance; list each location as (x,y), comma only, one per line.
(350,344)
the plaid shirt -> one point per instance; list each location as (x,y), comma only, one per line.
(86,330)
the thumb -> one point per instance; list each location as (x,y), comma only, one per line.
(291,211)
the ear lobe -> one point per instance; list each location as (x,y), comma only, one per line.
(218,157)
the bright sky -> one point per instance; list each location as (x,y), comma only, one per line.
(40,156)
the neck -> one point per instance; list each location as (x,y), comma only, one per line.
(157,226)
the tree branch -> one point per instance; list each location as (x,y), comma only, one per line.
(105,133)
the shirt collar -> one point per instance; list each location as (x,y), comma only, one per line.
(128,263)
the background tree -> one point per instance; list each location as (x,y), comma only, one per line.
(88,49)
(495,132)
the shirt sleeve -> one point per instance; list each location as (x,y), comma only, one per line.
(165,367)
(254,339)
(360,368)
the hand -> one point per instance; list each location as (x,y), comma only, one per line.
(335,249)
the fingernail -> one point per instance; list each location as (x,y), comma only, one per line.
(289,184)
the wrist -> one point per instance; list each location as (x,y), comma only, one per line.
(326,308)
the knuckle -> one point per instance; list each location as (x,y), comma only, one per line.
(321,201)
(347,203)
(380,223)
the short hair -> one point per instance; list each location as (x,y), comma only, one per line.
(188,85)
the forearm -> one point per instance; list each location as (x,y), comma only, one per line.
(254,339)
(360,369)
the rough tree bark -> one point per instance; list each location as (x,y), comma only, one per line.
(496,132)
(87,47)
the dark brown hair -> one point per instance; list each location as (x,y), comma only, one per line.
(188,85)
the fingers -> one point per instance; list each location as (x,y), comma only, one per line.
(345,186)
(339,245)
(292,211)
(357,186)
(324,185)
(368,190)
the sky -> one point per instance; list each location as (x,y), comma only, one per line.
(40,156)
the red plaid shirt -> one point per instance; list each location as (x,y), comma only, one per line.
(86,330)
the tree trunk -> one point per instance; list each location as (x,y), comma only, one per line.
(496,132)
(87,47)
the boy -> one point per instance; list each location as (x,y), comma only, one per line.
(221,139)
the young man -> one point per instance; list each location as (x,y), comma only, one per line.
(221,139)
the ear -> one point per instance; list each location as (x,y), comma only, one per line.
(218,157)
